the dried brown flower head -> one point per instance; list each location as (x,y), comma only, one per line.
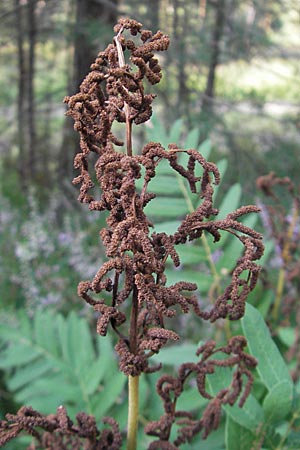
(137,256)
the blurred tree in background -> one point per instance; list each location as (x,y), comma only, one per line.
(228,60)
(90,17)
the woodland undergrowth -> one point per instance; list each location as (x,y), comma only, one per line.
(130,292)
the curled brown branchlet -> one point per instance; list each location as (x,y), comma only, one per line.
(280,213)
(107,89)
(170,388)
(137,255)
(58,432)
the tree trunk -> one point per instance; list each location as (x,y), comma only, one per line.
(85,49)
(217,34)
(180,24)
(202,9)
(151,19)
(21,138)
(104,16)
(32,32)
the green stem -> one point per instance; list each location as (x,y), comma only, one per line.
(133,410)
(279,292)
(211,263)
(203,237)
(288,430)
(285,259)
(121,59)
(133,381)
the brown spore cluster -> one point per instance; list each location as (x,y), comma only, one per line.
(135,269)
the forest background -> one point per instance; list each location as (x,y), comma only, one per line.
(231,77)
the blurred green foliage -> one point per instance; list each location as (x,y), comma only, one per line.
(47,244)
(50,355)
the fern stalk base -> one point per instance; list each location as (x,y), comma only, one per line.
(133,410)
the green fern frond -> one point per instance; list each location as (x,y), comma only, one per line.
(51,360)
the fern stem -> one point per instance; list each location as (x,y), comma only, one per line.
(185,194)
(279,291)
(281,445)
(211,263)
(128,119)
(133,410)
(203,237)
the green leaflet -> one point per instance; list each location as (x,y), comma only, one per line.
(176,354)
(251,415)
(287,335)
(44,331)
(156,131)
(164,185)
(278,402)
(30,372)
(237,437)
(109,394)
(80,343)
(23,353)
(192,139)
(193,275)
(293,440)
(191,400)
(271,366)
(175,131)
(233,248)
(58,363)
(165,208)
(191,253)
(93,375)
(214,441)
(205,148)
(231,201)
(167,227)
